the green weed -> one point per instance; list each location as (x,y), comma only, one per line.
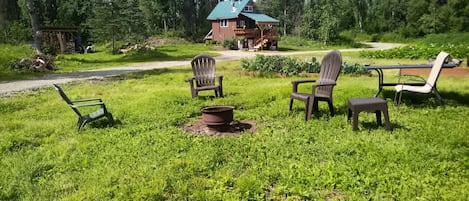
(428,47)
(102,58)
(148,156)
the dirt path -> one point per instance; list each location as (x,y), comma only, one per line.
(11,87)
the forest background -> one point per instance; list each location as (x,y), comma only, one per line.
(319,20)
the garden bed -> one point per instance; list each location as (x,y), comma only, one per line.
(454,72)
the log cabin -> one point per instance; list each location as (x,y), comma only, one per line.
(241,20)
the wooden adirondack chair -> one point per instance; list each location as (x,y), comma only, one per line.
(323,87)
(91,102)
(203,67)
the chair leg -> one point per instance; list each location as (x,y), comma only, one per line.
(331,107)
(291,104)
(437,94)
(221,91)
(82,124)
(355,121)
(315,105)
(386,119)
(349,114)
(79,122)
(193,93)
(400,98)
(309,108)
(378,117)
(110,119)
(397,99)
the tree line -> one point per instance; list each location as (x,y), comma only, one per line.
(322,20)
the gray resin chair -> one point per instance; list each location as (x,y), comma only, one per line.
(203,67)
(91,102)
(429,85)
(322,88)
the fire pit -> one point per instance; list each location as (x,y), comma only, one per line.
(217,115)
(218,121)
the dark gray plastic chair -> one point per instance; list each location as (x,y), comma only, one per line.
(203,67)
(90,102)
(323,87)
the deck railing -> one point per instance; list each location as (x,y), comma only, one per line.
(249,33)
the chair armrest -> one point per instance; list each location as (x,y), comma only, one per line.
(324,84)
(189,79)
(412,78)
(87,100)
(87,105)
(302,81)
(295,84)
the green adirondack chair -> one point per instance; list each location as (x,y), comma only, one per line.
(90,102)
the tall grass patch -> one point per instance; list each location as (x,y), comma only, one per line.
(148,156)
(455,44)
(101,58)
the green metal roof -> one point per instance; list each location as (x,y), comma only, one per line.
(227,9)
(260,18)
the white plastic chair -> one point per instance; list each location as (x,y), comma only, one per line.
(429,84)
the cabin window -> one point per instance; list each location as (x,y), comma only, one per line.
(248,9)
(241,24)
(223,23)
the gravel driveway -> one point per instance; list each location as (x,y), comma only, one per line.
(12,87)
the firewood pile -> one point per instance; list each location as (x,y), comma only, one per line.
(37,63)
(124,49)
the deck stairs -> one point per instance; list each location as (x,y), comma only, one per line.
(260,43)
(209,35)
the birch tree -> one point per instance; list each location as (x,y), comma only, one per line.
(35,23)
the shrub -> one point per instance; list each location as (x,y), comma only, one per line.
(455,44)
(354,69)
(210,42)
(230,44)
(418,51)
(312,66)
(49,50)
(291,66)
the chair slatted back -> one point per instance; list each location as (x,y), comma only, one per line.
(66,99)
(203,67)
(436,69)
(330,70)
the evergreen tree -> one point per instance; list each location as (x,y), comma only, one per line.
(135,20)
(9,11)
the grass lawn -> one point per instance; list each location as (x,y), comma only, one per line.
(98,60)
(103,58)
(147,156)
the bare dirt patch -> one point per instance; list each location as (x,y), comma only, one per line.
(450,72)
(335,195)
(235,128)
